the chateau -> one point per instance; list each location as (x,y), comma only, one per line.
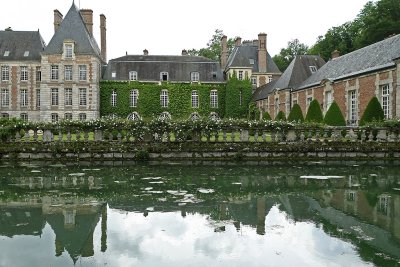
(71,79)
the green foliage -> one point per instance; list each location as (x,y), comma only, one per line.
(314,112)
(142,155)
(280,116)
(296,114)
(266,116)
(334,116)
(373,112)
(254,112)
(235,89)
(286,55)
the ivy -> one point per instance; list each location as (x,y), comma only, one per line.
(238,97)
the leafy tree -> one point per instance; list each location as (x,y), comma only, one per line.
(280,116)
(254,112)
(296,114)
(314,112)
(334,116)
(373,112)
(213,49)
(286,55)
(266,116)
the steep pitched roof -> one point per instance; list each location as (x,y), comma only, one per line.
(149,67)
(241,55)
(73,28)
(295,74)
(370,58)
(19,42)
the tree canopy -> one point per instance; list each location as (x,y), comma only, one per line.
(286,55)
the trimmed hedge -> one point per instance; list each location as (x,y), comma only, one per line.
(314,113)
(334,116)
(266,116)
(296,114)
(373,112)
(280,116)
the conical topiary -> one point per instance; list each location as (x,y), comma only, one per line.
(266,116)
(296,114)
(280,116)
(314,112)
(373,112)
(334,116)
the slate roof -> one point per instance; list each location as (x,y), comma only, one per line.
(241,55)
(18,42)
(377,56)
(149,67)
(295,74)
(73,28)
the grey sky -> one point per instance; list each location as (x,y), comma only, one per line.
(167,27)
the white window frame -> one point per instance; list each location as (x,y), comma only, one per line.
(195,99)
(309,99)
(82,116)
(54,117)
(164,98)
(214,99)
(82,97)
(133,98)
(38,73)
(38,98)
(329,99)
(114,98)
(164,116)
(162,74)
(5,97)
(68,116)
(270,79)
(68,96)
(313,69)
(133,76)
(54,96)
(134,116)
(54,73)
(26,53)
(82,72)
(68,51)
(24,97)
(5,115)
(385,100)
(24,116)
(240,75)
(5,73)
(6,53)
(195,77)
(24,73)
(240,97)
(68,73)
(353,106)
(254,80)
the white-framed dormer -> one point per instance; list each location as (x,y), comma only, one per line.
(195,76)
(133,76)
(164,77)
(68,50)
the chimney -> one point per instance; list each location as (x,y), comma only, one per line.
(335,54)
(238,41)
(58,17)
(103,37)
(184,52)
(87,15)
(224,52)
(262,52)
(145,52)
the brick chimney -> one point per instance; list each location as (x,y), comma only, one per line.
(238,41)
(103,37)
(58,17)
(87,15)
(262,52)
(335,54)
(224,52)
(184,52)
(145,52)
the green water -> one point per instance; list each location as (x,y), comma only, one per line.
(207,214)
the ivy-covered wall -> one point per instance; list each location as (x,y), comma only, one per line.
(180,99)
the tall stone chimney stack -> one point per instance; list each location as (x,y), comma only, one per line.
(103,37)
(335,54)
(262,52)
(238,41)
(58,17)
(224,52)
(87,15)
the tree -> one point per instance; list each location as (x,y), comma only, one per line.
(280,116)
(286,55)
(213,49)
(314,112)
(266,116)
(334,116)
(373,112)
(296,114)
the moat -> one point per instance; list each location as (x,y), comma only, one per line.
(200,214)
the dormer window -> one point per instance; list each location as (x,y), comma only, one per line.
(68,51)
(6,53)
(164,76)
(133,76)
(195,76)
(313,69)
(251,61)
(26,53)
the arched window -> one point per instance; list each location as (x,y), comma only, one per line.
(195,99)
(214,99)
(164,98)
(164,116)
(213,116)
(134,97)
(114,98)
(134,116)
(194,116)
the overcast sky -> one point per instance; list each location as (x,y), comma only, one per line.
(167,27)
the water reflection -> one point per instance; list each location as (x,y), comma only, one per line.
(192,216)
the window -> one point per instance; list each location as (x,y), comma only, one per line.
(5,73)
(68,73)
(164,76)
(133,76)
(24,97)
(5,98)
(54,72)
(194,116)
(213,116)
(6,53)
(134,97)
(68,116)
(24,73)
(251,61)
(82,116)
(164,116)
(195,99)
(313,69)
(352,107)
(254,80)
(240,75)
(37,97)
(240,97)
(134,116)
(164,98)
(270,79)
(38,73)
(329,99)
(54,96)
(114,98)
(68,50)
(82,73)
(5,115)
(385,100)
(82,97)
(113,74)
(54,117)
(26,53)
(294,102)
(194,76)
(68,96)
(214,99)
(24,116)
(309,100)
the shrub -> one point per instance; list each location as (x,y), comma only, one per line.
(296,114)
(373,112)
(280,116)
(334,116)
(266,116)
(314,112)
(142,155)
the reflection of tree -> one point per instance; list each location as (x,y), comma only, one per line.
(104,229)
